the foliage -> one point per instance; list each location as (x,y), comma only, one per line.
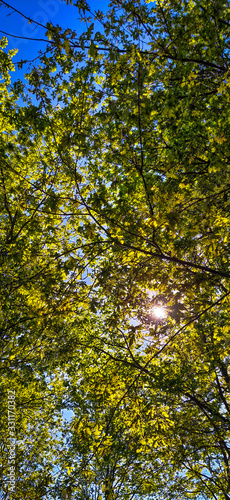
(115,197)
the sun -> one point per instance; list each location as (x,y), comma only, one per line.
(159,312)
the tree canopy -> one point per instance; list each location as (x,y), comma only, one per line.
(115,199)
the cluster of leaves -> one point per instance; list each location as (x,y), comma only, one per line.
(115,183)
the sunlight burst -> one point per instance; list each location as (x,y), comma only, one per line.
(159,312)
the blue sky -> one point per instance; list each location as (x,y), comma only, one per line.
(41,11)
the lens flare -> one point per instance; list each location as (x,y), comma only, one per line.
(159,312)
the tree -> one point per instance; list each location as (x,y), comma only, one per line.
(117,172)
